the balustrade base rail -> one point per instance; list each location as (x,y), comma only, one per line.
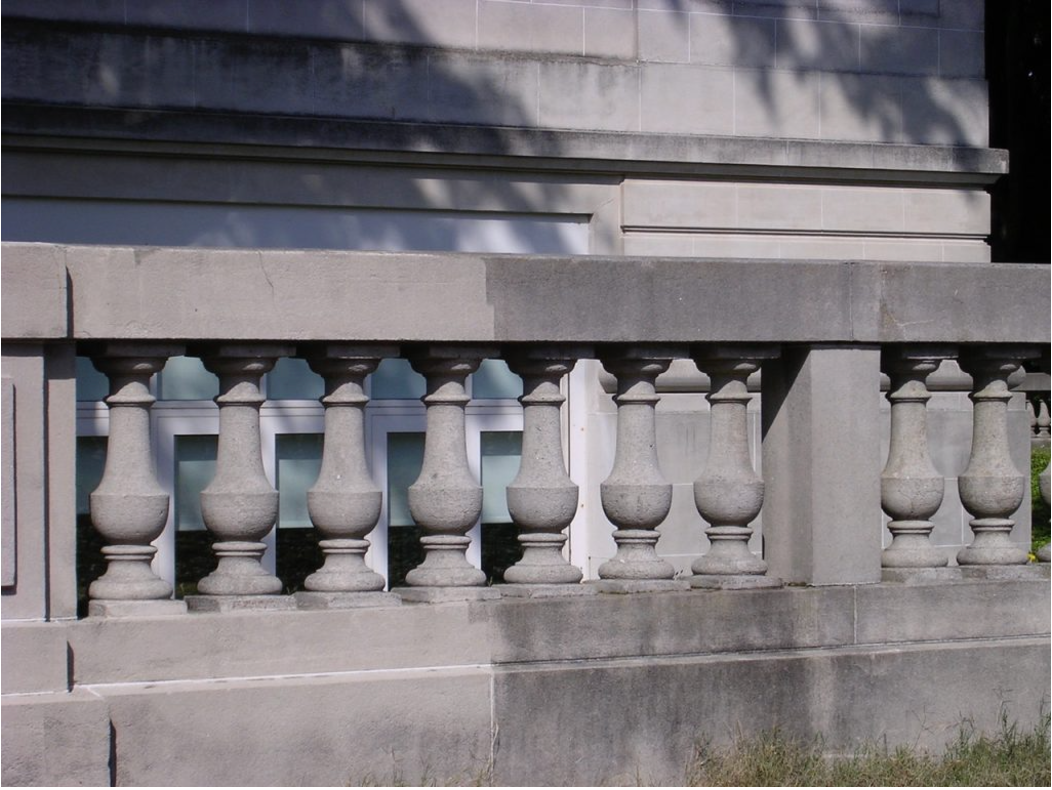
(463,692)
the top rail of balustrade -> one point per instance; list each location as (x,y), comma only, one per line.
(53,292)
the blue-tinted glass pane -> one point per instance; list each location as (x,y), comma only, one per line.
(405,456)
(91,461)
(195,466)
(298,462)
(292,379)
(501,454)
(494,379)
(185,378)
(395,379)
(91,385)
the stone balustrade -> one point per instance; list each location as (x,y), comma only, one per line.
(814,479)
(240,506)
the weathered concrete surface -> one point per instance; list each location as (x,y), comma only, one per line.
(821,460)
(33,301)
(385,728)
(34,658)
(56,740)
(638,721)
(164,293)
(547,690)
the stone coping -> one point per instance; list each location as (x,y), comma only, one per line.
(96,292)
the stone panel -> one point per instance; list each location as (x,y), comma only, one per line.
(689,100)
(720,40)
(961,54)
(863,107)
(462,87)
(342,20)
(777,103)
(56,740)
(524,27)
(385,728)
(610,33)
(663,36)
(817,46)
(900,50)
(584,95)
(441,23)
(34,658)
(945,111)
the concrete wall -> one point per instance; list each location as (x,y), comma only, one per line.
(866,71)
(572,691)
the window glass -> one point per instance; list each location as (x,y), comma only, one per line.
(91,462)
(405,456)
(501,454)
(195,466)
(185,378)
(292,379)
(298,464)
(396,379)
(91,385)
(494,379)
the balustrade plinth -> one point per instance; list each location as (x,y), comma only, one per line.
(729,494)
(129,508)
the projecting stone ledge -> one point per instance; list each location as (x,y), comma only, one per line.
(145,293)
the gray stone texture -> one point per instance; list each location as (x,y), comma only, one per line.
(663,300)
(822,436)
(56,740)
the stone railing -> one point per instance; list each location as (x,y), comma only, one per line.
(821,332)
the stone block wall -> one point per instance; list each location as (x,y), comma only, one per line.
(865,70)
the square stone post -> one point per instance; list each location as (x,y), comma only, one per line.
(822,465)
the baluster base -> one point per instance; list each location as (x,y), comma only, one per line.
(545,590)
(729,554)
(542,561)
(239,571)
(128,576)
(211,604)
(345,600)
(103,608)
(636,558)
(921,575)
(991,545)
(1044,554)
(344,569)
(733,582)
(445,564)
(911,547)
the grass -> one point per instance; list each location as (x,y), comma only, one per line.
(1012,758)
(1039,513)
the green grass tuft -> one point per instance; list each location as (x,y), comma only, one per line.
(1012,758)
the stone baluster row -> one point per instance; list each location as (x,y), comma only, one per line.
(239,506)
(991,488)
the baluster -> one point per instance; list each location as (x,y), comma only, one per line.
(345,504)
(911,489)
(240,506)
(991,487)
(1043,421)
(446,499)
(542,499)
(636,497)
(1031,415)
(129,508)
(729,493)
